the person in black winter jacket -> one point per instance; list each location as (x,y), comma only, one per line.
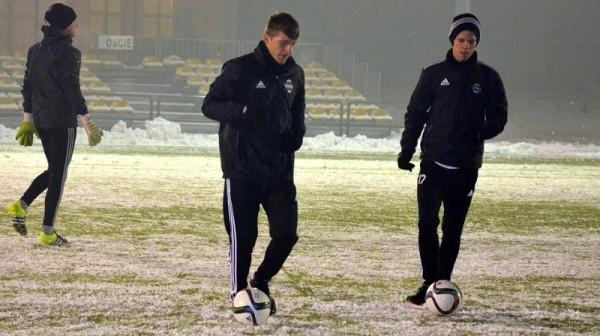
(52,100)
(259,102)
(457,104)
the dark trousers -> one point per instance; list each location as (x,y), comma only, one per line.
(454,189)
(58,144)
(241,202)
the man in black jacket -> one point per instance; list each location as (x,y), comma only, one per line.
(259,102)
(52,100)
(460,102)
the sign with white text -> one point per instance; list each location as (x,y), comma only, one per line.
(115,42)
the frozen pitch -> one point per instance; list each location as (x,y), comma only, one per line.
(149,250)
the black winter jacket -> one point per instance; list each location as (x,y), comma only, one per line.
(261,149)
(460,105)
(51,84)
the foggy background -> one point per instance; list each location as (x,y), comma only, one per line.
(546,51)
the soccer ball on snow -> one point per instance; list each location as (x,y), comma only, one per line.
(251,306)
(443,297)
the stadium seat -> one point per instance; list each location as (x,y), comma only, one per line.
(88,76)
(354,95)
(206,70)
(96,105)
(196,80)
(359,113)
(315,67)
(111,61)
(151,62)
(381,114)
(12,64)
(88,59)
(333,94)
(341,85)
(184,71)
(313,94)
(327,75)
(21,56)
(9,84)
(4,74)
(7,104)
(121,106)
(173,60)
(310,74)
(321,84)
(318,113)
(335,112)
(193,62)
(203,89)
(15,95)
(18,74)
(4,55)
(98,87)
(214,63)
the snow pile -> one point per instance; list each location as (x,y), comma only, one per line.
(163,133)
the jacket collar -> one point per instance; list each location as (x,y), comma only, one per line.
(264,58)
(461,66)
(55,34)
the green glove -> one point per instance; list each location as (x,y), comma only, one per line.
(25,134)
(94,134)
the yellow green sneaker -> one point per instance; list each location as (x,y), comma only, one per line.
(52,239)
(17,216)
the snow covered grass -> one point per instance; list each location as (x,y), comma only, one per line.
(149,251)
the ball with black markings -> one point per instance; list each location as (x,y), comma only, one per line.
(251,306)
(443,297)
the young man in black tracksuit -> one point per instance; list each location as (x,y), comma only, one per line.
(460,102)
(259,102)
(52,100)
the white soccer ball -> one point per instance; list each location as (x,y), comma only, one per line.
(251,306)
(443,297)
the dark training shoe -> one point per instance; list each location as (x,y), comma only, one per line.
(264,287)
(418,299)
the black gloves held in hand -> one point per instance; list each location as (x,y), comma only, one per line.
(404,162)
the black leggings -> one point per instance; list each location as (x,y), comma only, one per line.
(58,146)
(454,189)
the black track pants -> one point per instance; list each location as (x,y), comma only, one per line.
(58,146)
(241,202)
(454,189)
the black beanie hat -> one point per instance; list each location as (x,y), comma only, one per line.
(466,21)
(60,15)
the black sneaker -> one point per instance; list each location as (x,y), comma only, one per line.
(418,299)
(264,287)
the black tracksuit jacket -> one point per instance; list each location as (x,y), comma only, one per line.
(261,149)
(460,105)
(51,89)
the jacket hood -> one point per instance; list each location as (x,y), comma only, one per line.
(461,65)
(266,60)
(54,34)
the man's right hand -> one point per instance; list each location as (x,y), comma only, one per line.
(25,134)
(404,162)
(250,113)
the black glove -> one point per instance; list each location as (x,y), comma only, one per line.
(404,162)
